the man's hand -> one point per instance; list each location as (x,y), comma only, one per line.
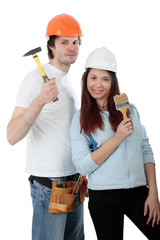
(49,91)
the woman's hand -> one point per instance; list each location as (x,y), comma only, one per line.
(153,206)
(124,129)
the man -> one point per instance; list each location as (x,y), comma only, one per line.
(47,126)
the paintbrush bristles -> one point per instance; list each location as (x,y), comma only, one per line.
(118,99)
(122,104)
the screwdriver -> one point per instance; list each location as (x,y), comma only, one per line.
(59,185)
(75,187)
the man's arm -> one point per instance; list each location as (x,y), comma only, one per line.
(19,124)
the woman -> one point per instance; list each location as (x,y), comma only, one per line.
(115,154)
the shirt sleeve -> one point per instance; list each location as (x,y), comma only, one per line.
(146,148)
(28,90)
(81,153)
(145,145)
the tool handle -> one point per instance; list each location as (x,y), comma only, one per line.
(59,184)
(73,191)
(124,111)
(46,79)
(43,74)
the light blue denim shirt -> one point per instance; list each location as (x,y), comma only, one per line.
(124,168)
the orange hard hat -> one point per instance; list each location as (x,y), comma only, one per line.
(63,25)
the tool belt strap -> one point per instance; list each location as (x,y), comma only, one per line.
(47,182)
(42,180)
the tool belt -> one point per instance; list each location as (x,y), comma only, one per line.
(62,198)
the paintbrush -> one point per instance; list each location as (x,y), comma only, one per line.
(122,103)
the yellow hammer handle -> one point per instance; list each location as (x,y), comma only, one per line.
(44,76)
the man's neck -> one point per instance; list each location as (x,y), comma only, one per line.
(62,67)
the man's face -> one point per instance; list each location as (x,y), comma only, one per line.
(65,51)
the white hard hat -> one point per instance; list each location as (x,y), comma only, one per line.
(102,58)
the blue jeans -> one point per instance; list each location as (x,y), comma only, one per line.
(54,226)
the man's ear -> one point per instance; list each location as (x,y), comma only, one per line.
(52,48)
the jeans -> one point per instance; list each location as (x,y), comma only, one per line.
(54,226)
(107,209)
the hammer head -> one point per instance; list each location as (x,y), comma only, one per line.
(33,51)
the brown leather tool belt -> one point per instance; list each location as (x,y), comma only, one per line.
(62,198)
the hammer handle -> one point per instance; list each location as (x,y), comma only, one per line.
(41,69)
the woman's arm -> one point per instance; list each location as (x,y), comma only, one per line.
(87,162)
(124,129)
(152,202)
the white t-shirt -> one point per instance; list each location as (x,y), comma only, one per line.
(48,141)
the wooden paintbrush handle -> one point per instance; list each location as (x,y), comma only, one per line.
(124,111)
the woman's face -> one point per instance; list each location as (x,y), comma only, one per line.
(98,85)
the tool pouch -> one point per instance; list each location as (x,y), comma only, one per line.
(83,191)
(61,199)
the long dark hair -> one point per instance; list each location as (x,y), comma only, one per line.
(91,118)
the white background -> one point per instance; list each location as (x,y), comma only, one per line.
(129,28)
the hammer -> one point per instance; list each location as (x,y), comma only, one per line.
(41,69)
